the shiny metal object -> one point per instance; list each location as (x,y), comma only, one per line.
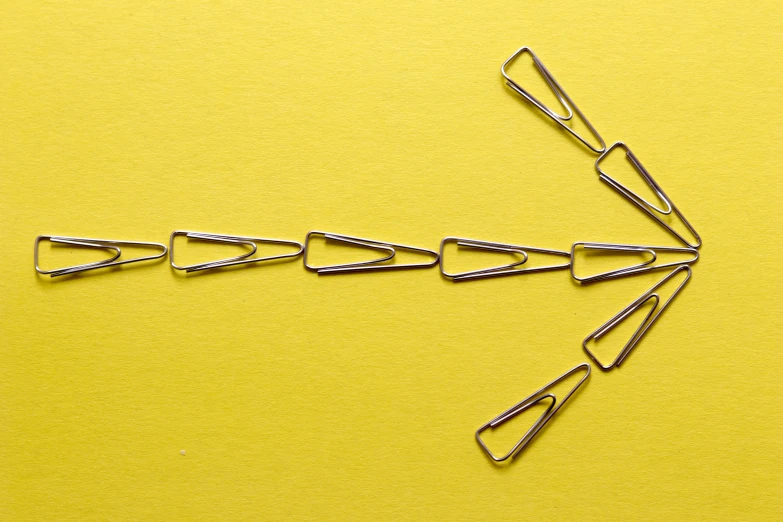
(388,249)
(251,242)
(112,245)
(653,315)
(644,205)
(502,270)
(565,100)
(527,402)
(639,268)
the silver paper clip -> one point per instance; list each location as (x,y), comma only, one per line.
(388,249)
(501,270)
(644,205)
(652,316)
(251,242)
(644,266)
(565,100)
(112,245)
(529,401)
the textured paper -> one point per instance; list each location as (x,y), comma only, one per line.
(272,393)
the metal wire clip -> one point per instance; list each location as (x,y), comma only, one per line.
(561,95)
(502,270)
(639,268)
(644,205)
(241,259)
(526,403)
(113,245)
(389,249)
(649,320)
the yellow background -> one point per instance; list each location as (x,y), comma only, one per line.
(357,396)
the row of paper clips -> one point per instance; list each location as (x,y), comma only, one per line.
(386,252)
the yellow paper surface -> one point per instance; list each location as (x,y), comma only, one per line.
(357,396)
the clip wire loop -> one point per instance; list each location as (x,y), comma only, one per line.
(502,270)
(644,205)
(527,402)
(639,268)
(245,258)
(112,245)
(389,249)
(645,325)
(561,95)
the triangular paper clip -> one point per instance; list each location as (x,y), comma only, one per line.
(241,259)
(113,245)
(647,207)
(390,249)
(639,268)
(565,100)
(645,325)
(502,270)
(526,403)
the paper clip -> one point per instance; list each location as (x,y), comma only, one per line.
(389,249)
(561,95)
(111,245)
(502,270)
(241,259)
(526,403)
(639,268)
(647,207)
(649,320)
